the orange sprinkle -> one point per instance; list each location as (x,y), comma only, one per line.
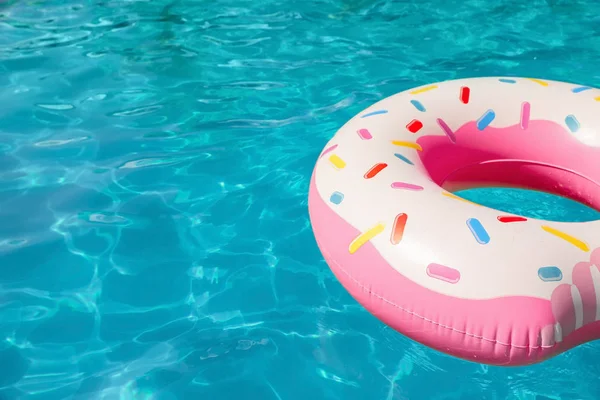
(375,169)
(398,228)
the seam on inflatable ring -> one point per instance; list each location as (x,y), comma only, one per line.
(494,341)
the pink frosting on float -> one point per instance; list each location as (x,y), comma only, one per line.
(544,157)
(514,330)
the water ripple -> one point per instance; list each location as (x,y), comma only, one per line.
(57,107)
(52,40)
(136,112)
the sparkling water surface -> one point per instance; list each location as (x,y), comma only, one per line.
(155,158)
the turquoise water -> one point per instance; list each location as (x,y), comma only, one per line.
(531,204)
(155,159)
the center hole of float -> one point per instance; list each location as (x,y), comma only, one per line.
(528,189)
(542,158)
(531,204)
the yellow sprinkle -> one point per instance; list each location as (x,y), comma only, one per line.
(543,83)
(574,241)
(453,196)
(337,161)
(365,237)
(597,98)
(423,90)
(412,145)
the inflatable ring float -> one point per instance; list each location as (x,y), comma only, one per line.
(465,279)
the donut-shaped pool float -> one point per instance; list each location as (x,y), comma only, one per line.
(465,279)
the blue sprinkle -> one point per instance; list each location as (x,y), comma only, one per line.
(478,231)
(550,274)
(336,197)
(580,89)
(507,80)
(418,105)
(406,160)
(572,123)
(486,119)
(374,113)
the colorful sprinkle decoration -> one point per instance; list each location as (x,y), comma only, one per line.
(363,238)
(550,274)
(464,94)
(525,115)
(375,169)
(414,126)
(418,105)
(398,228)
(478,231)
(412,145)
(446,130)
(336,198)
(508,219)
(486,119)
(453,196)
(538,81)
(379,112)
(337,162)
(566,237)
(329,150)
(404,185)
(580,89)
(572,123)
(401,157)
(423,90)
(364,134)
(443,273)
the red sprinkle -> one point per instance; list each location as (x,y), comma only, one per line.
(377,168)
(414,126)
(465,93)
(398,229)
(511,219)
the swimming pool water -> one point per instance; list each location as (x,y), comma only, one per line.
(531,204)
(155,159)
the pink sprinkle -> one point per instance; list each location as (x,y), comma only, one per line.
(364,134)
(443,273)
(329,150)
(525,113)
(404,185)
(447,130)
